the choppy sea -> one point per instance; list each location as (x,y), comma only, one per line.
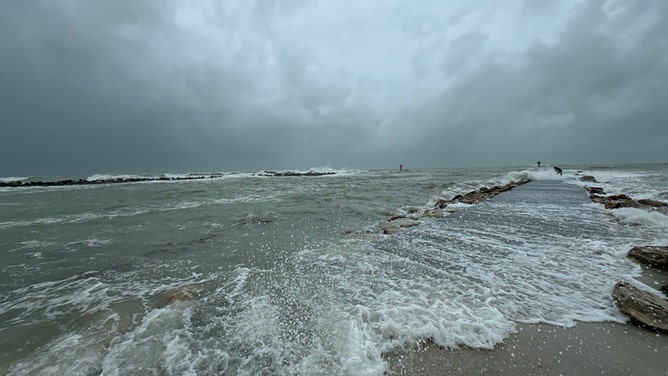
(293,273)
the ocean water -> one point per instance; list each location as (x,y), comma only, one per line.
(293,274)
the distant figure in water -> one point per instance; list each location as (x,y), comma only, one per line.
(401,167)
(557,170)
(538,164)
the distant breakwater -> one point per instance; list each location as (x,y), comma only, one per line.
(138,179)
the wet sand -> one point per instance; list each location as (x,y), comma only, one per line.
(585,349)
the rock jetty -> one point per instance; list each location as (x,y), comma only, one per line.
(294,173)
(641,305)
(397,222)
(483,194)
(596,194)
(55,183)
(137,179)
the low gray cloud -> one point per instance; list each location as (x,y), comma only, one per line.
(145,86)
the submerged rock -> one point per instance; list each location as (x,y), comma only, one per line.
(642,306)
(183,294)
(654,256)
(396,224)
(589,178)
(595,190)
(654,203)
(433,213)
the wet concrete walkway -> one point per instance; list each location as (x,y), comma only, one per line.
(538,208)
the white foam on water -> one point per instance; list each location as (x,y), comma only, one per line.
(71,354)
(92,216)
(336,307)
(327,171)
(92,242)
(73,218)
(156,340)
(95,177)
(640,217)
(637,184)
(464,187)
(35,244)
(107,308)
(13,178)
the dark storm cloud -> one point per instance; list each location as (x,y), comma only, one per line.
(592,96)
(132,86)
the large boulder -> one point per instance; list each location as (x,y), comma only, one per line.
(642,306)
(654,256)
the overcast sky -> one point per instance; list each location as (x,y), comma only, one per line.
(172,86)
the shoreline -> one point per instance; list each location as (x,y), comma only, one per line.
(587,348)
(541,349)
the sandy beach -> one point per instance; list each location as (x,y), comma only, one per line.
(586,349)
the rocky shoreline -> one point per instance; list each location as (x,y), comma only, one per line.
(596,194)
(643,306)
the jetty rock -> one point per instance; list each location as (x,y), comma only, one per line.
(653,203)
(588,178)
(182,294)
(652,255)
(295,173)
(642,306)
(595,190)
(624,201)
(482,194)
(397,223)
(433,213)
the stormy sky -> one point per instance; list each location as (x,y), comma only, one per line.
(131,86)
